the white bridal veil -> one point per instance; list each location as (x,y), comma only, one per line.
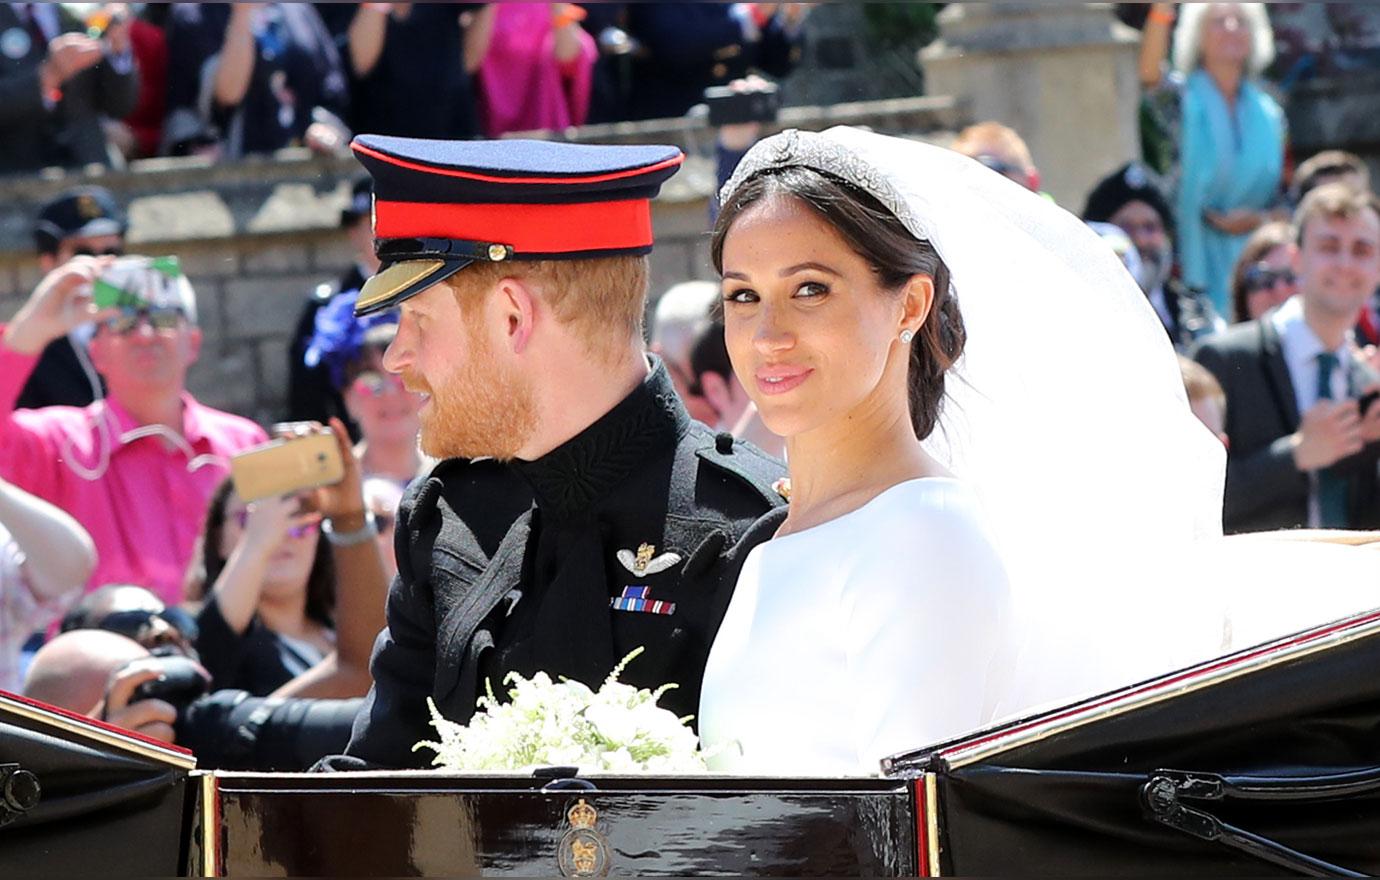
(1067,415)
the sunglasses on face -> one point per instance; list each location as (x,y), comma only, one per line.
(160,320)
(1261,276)
(372,384)
(112,251)
(242,519)
(140,626)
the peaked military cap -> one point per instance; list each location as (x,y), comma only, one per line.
(441,205)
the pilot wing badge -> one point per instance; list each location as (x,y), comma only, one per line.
(645,561)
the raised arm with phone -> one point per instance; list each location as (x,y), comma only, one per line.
(99,461)
(361,583)
(276,588)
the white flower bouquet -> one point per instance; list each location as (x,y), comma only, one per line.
(545,723)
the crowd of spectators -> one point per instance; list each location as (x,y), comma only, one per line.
(1223,233)
(123,544)
(235,79)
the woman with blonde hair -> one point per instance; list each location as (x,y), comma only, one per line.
(1231,132)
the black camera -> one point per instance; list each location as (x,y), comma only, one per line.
(759,102)
(181,682)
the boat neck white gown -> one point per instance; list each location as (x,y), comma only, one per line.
(883,630)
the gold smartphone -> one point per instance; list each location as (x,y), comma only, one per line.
(287,466)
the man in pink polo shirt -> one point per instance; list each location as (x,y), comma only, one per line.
(137,468)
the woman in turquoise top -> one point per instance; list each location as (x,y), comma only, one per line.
(1232,140)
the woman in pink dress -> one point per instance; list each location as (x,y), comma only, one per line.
(533,65)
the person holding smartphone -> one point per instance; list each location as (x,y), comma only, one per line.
(293,578)
(136,468)
(1304,441)
(268,581)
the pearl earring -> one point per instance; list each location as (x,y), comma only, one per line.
(907,336)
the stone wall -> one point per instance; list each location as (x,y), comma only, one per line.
(256,237)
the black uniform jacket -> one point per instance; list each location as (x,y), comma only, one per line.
(519,568)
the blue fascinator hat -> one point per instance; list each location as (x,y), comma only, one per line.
(339,336)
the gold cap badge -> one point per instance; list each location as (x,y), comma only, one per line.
(87,207)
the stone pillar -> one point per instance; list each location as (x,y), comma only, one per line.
(1062,75)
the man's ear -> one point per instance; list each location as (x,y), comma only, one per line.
(917,302)
(517,307)
(194,338)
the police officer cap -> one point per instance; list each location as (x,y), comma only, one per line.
(441,205)
(1132,182)
(86,211)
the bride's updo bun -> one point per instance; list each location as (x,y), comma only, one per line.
(894,255)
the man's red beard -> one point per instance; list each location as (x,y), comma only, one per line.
(482,410)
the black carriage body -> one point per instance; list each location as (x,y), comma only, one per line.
(78,798)
(428,824)
(1266,762)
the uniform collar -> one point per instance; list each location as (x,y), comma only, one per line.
(574,476)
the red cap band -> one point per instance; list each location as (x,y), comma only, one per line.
(529,229)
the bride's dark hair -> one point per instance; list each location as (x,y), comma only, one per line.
(890,250)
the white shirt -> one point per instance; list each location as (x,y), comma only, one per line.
(881,631)
(1301,347)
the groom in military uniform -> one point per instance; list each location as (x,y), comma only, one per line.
(579,513)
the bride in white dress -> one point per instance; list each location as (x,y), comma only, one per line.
(1058,531)
(842,326)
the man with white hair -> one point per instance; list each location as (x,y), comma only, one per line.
(137,468)
(682,316)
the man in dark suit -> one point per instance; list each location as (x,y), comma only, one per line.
(580,514)
(55,84)
(1304,444)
